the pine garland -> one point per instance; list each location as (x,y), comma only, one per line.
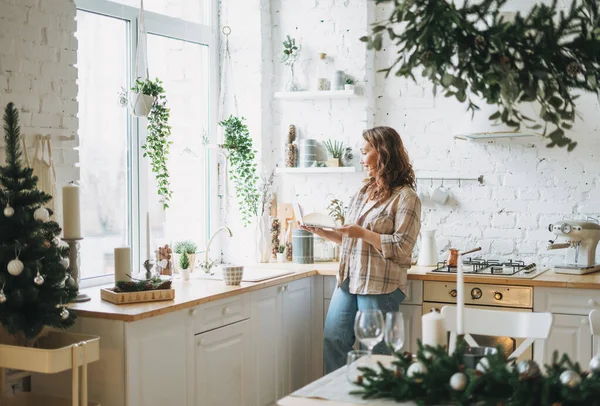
(500,383)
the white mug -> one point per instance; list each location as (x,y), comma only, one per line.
(440,195)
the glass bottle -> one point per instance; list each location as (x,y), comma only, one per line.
(323,73)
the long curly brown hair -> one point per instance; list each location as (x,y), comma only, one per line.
(393,165)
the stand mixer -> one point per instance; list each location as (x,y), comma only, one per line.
(582,240)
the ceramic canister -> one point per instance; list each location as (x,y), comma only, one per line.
(302,247)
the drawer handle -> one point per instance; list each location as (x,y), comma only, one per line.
(201,342)
(591,302)
(285,288)
(193,312)
(585,321)
(226,311)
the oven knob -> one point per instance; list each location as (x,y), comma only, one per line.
(498,296)
(453,293)
(476,293)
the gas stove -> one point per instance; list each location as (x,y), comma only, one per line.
(491,267)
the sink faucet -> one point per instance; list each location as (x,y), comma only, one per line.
(207,265)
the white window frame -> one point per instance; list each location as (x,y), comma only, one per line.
(138,167)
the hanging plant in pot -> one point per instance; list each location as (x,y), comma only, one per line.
(471,53)
(157,143)
(238,150)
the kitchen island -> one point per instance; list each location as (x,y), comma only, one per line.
(255,343)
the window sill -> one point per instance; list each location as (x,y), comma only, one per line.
(96,281)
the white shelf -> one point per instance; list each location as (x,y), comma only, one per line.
(340,169)
(315,95)
(490,136)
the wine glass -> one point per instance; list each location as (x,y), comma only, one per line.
(368,328)
(394,330)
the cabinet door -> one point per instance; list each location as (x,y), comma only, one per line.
(571,335)
(265,319)
(159,361)
(297,333)
(412,326)
(223,366)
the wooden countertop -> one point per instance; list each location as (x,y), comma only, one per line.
(199,291)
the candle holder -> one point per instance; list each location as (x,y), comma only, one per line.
(148,265)
(74,264)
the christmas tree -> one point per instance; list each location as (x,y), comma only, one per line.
(35,280)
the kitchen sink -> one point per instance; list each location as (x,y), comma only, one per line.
(250,274)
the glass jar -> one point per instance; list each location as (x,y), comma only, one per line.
(323,73)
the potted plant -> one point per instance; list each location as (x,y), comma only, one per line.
(189,248)
(281,254)
(184,265)
(335,150)
(241,156)
(157,143)
(349,84)
(336,211)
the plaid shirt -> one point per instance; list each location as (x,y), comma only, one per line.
(398,220)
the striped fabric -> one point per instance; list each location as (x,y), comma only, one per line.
(398,220)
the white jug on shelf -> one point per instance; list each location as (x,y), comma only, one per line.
(428,254)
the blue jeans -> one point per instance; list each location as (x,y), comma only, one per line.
(339,325)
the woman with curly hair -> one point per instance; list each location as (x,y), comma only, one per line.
(377,246)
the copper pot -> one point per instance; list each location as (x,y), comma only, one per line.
(452,257)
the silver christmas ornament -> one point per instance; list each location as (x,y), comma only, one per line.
(64,314)
(15,267)
(2,296)
(528,369)
(416,368)
(39,279)
(71,282)
(41,214)
(458,381)
(595,364)
(9,211)
(570,379)
(65,262)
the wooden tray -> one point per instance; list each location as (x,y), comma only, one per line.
(53,353)
(31,399)
(136,297)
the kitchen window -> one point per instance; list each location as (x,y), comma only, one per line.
(117,185)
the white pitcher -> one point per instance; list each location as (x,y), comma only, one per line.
(428,254)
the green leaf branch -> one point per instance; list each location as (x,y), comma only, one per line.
(546,56)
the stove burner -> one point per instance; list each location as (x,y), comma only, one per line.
(488,267)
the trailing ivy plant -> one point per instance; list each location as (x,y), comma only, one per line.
(545,56)
(241,156)
(157,143)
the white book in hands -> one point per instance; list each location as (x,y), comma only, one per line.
(317,220)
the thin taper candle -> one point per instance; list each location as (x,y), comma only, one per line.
(148,235)
(460,298)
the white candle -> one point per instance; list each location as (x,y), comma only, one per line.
(70,206)
(433,329)
(122,264)
(460,298)
(147,235)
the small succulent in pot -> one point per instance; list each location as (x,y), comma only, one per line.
(349,83)
(281,254)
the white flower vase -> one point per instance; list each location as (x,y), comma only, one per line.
(141,104)
(263,239)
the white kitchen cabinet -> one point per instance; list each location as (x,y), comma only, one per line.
(281,340)
(222,366)
(159,358)
(412,326)
(572,335)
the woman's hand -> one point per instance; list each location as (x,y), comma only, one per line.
(351,231)
(313,230)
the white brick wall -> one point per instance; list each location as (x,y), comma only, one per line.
(37,53)
(526,187)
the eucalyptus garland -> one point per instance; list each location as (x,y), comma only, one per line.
(157,143)
(442,378)
(241,156)
(545,56)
